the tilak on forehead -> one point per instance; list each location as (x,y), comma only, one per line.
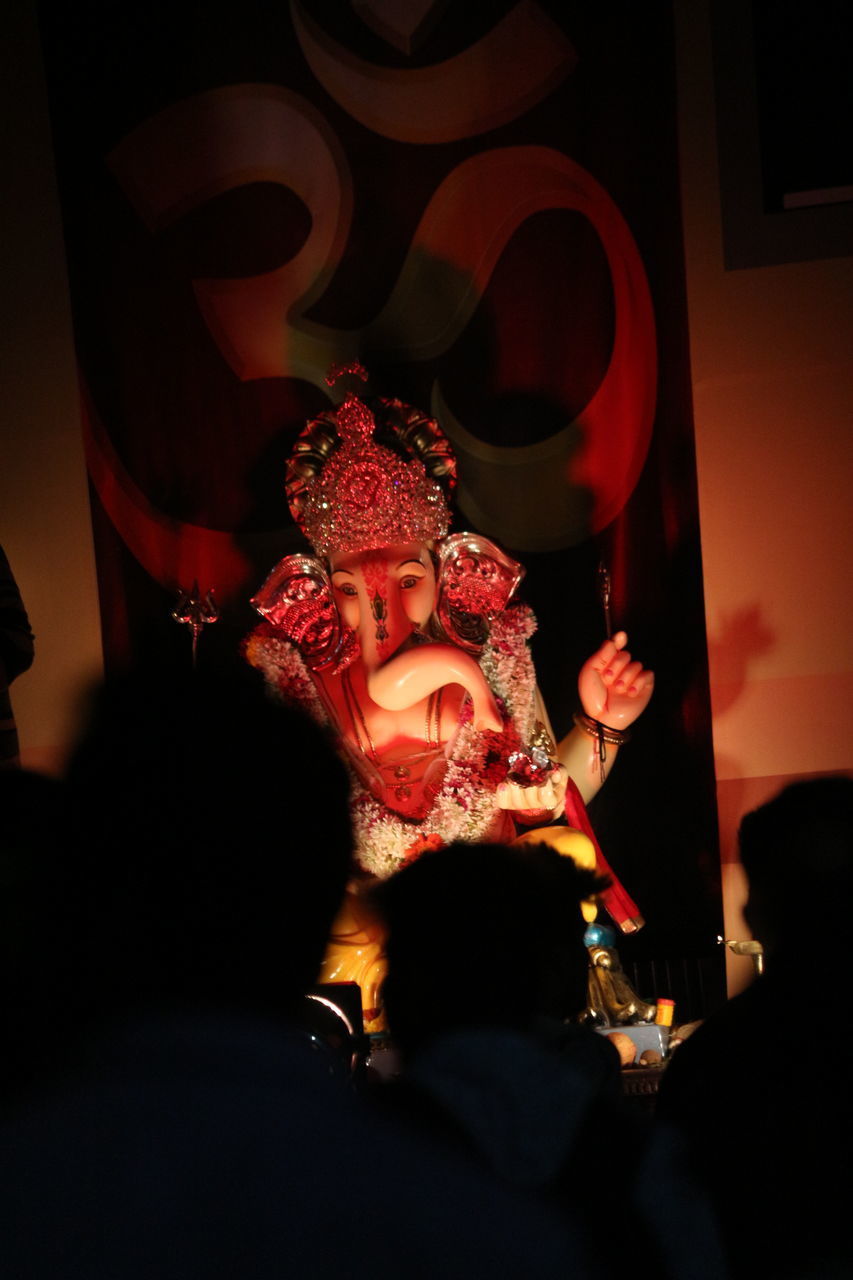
(348,494)
(375,570)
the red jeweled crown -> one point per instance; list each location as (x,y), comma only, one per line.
(347,493)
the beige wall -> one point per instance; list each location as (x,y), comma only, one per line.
(45,524)
(773,391)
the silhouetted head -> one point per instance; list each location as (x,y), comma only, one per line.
(797,852)
(483,935)
(214,844)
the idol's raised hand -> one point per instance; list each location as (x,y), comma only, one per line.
(613,687)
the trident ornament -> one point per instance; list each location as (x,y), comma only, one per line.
(195,613)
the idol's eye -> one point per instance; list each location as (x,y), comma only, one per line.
(411,580)
(347,589)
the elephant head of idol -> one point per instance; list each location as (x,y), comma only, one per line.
(369,487)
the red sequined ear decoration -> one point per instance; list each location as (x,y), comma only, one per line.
(297,600)
(477,581)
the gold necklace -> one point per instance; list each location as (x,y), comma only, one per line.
(433,719)
(362,735)
(353,706)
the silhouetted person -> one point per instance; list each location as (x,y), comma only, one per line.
(33,898)
(16,656)
(762,1088)
(179,1121)
(486,967)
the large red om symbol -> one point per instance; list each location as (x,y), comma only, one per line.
(266,133)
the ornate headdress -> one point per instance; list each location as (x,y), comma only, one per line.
(348,493)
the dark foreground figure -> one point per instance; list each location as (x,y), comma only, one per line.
(762,1089)
(485,965)
(16,656)
(163,1112)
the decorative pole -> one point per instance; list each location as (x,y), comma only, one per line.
(195,613)
(604,596)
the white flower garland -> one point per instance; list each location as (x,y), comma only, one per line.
(464,808)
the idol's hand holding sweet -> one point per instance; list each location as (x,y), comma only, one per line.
(614,688)
(536,802)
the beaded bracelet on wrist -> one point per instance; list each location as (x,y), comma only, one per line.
(603,733)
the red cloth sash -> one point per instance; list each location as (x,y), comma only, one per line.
(616,900)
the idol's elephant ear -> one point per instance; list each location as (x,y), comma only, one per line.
(476,583)
(297,600)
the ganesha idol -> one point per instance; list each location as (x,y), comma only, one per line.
(410,645)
